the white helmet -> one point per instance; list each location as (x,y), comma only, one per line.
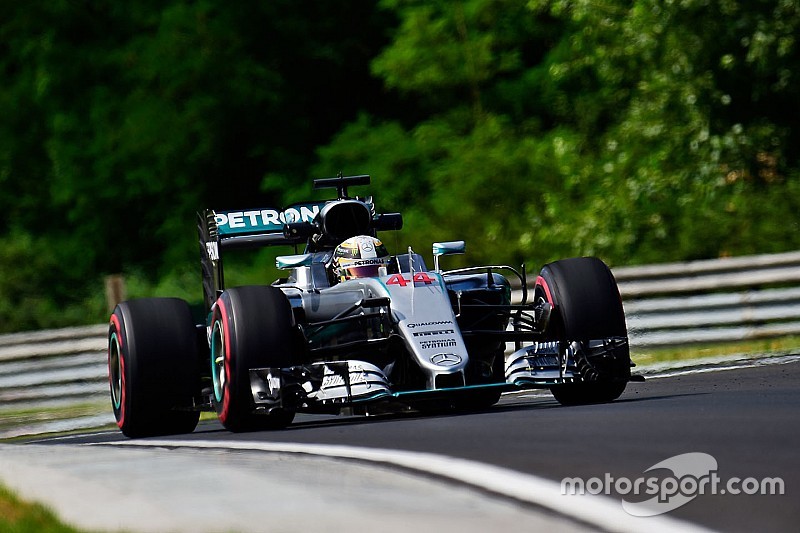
(359,257)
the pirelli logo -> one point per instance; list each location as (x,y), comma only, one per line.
(433,333)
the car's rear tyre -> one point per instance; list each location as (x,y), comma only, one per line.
(251,328)
(586,306)
(152,367)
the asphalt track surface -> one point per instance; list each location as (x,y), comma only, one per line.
(748,419)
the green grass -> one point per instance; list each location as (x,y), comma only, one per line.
(17,516)
(208,415)
(11,417)
(779,345)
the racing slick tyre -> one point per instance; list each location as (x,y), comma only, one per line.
(484,399)
(152,367)
(586,306)
(251,328)
(479,401)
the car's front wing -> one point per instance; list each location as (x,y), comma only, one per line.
(330,385)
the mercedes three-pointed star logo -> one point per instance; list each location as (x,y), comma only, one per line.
(445,359)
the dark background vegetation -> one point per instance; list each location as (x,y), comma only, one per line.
(640,131)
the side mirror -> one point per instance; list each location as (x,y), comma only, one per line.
(447,248)
(284,262)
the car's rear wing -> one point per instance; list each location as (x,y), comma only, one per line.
(262,227)
(318,225)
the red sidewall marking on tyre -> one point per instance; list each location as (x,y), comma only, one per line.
(120,344)
(226,387)
(541,281)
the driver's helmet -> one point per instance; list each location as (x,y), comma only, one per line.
(359,257)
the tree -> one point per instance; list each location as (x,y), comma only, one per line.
(639,132)
(124,118)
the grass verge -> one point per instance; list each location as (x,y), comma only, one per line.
(21,422)
(776,346)
(17,516)
(10,416)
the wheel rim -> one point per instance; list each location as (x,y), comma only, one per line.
(218,361)
(115,369)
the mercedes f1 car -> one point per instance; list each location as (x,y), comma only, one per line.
(409,337)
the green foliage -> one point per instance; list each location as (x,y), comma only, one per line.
(639,131)
(122,119)
(34,293)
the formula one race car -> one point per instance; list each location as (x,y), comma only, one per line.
(352,328)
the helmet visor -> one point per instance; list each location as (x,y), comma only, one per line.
(366,271)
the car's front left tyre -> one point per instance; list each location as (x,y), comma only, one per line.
(251,327)
(586,306)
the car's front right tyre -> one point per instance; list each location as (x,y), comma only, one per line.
(152,367)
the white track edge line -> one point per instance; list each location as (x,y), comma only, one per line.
(599,511)
(678,371)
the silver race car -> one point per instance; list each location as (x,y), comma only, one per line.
(351,328)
